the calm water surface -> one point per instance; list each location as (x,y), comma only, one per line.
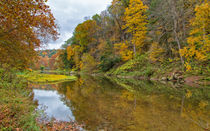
(116,104)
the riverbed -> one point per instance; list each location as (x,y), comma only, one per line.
(113,104)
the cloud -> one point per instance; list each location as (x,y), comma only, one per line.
(69,13)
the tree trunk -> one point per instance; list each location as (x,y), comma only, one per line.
(134,49)
(175,21)
(179,46)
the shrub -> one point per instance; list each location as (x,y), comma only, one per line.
(107,62)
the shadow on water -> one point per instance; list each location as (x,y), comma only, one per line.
(127,104)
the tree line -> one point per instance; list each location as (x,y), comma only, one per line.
(165,30)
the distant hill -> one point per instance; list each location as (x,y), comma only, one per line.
(48,53)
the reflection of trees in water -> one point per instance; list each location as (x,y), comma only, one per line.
(102,104)
(44,86)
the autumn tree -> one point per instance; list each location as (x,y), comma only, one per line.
(85,33)
(169,24)
(123,50)
(198,47)
(160,29)
(88,63)
(116,11)
(52,61)
(24,26)
(136,23)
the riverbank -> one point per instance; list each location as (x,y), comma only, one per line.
(143,69)
(18,109)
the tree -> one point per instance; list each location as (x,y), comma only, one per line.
(24,26)
(88,63)
(85,32)
(198,47)
(52,61)
(123,50)
(136,23)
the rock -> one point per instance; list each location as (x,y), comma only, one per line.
(164,79)
(72,72)
(182,81)
(176,76)
(171,78)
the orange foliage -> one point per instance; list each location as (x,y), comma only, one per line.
(24,26)
(123,50)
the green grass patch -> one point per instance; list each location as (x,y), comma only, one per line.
(135,67)
(46,78)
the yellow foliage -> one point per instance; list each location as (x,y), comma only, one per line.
(88,62)
(188,94)
(203,104)
(136,21)
(170,60)
(74,52)
(199,41)
(43,78)
(85,32)
(123,51)
(156,52)
(70,52)
(188,66)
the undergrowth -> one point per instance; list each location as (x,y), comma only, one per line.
(141,66)
(17,109)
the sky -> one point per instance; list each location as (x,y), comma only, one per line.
(69,13)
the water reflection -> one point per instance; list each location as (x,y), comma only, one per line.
(54,106)
(116,104)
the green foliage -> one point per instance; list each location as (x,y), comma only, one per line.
(137,63)
(125,2)
(88,63)
(42,68)
(107,62)
(67,63)
(48,53)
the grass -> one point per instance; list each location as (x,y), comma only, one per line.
(135,67)
(17,109)
(46,78)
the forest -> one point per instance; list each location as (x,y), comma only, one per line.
(163,31)
(171,33)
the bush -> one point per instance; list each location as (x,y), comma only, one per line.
(88,63)
(132,65)
(42,68)
(107,62)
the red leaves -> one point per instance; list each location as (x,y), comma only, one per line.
(59,125)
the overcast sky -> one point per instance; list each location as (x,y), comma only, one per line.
(69,13)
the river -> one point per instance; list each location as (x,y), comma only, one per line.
(112,104)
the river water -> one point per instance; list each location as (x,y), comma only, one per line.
(112,104)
